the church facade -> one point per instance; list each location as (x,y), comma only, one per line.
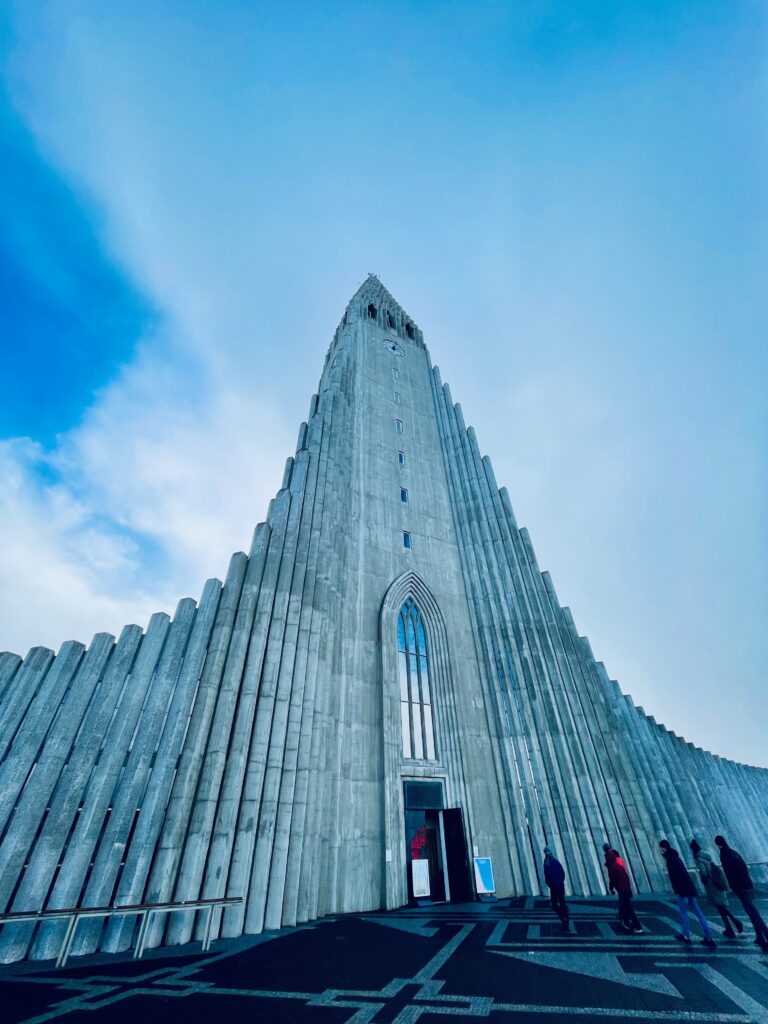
(385,687)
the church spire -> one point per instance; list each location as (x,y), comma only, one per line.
(374,301)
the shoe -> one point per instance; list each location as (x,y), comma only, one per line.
(709,942)
(683,938)
(637,931)
(624,927)
(729,933)
(739,927)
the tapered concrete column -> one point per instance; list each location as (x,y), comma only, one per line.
(53,785)
(9,665)
(20,695)
(127,800)
(83,843)
(171,842)
(30,740)
(138,859)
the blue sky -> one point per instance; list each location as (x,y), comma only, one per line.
(570,200)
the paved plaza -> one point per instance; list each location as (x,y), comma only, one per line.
(503,962)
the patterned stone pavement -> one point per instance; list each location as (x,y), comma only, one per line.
(501,962)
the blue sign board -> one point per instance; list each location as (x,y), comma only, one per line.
(484,875)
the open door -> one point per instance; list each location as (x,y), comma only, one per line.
(456,856)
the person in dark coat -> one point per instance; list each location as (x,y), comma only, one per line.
(685,890)
(554,876)
(618,882)
(716,887)
(740,881)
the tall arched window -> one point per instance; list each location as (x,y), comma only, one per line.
(415,696)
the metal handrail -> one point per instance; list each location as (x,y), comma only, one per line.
(144,910)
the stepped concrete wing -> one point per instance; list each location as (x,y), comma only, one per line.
(383,688)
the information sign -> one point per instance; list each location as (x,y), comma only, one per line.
(420,873)
(484,876)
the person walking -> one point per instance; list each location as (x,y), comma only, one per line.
(716,888)
(740,881)
(685,890)
(618,879)
(554,876)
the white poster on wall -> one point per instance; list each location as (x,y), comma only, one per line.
(420,875)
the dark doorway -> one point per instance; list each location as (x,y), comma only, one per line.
(426,870)
(436,850)
(456,856)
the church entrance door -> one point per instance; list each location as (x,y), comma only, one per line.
(457,861)
(426,860)
(436,850)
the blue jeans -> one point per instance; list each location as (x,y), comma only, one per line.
(683,904)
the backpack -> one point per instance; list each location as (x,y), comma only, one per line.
(717,878)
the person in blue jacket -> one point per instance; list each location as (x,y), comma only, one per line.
(554,876)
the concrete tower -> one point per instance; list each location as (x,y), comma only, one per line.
(385,686)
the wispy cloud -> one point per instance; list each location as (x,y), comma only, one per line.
(133,508)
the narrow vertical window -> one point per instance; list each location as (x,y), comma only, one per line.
(404,494)
(406,539)
(399,426)
(395,373)
(415,698)
(401,458)
(396,397)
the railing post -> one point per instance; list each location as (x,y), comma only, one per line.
(67,941)
(142,935)
(208,927)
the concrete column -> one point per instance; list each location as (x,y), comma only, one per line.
(19,696)
(614,774)
(44,815)
(514,761)
(314,619)
(284,791)
(126,700)
(9,665)
(200,827)
(602,820)
(170,845)
(131,787)
(30,739)
(139,855)
(230,794)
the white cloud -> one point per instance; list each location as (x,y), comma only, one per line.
(188,468)
(55,574)
(135,507)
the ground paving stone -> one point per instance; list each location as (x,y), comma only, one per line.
(503,962)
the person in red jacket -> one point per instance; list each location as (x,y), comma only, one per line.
(618,881)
